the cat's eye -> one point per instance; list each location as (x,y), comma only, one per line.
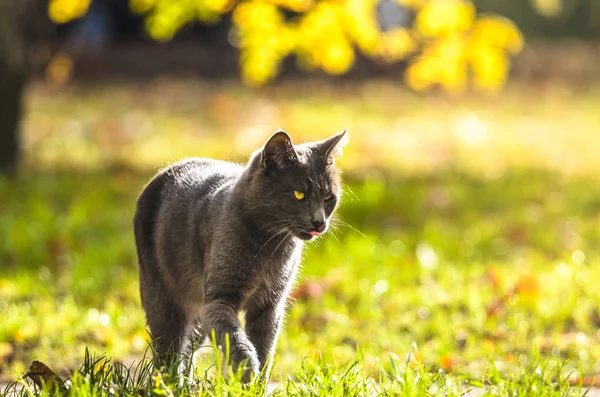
(328,197)
(299,195)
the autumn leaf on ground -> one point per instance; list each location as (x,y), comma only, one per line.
(527,287)
(448,363)
(41,375)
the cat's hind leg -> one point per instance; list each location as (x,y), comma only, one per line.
(169,327)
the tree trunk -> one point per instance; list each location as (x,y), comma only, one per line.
(12,81)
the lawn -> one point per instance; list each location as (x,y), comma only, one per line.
(465,255)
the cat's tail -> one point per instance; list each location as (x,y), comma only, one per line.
(144,225)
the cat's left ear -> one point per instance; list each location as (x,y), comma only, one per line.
(331,148)
(278,151)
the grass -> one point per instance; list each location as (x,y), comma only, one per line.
(98,376)
(471,246)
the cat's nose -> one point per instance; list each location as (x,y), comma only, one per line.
(319,226)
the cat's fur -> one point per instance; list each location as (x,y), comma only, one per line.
(216,239)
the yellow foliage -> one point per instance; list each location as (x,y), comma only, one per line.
(362,25)
(259,66)
(397,45)
(498,31)
(450,41)
(294,5)
(480,48)
(257,14)
(219,6)
(337,57)
(420,76)
(322,39)
(63,11)
(442,17)
(141,6)
(362,28)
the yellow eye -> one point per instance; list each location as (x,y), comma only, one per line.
(329,197)
(298,195)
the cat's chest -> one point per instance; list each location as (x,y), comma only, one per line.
(274,268)
(272,279)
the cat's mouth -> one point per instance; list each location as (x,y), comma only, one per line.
(307,236)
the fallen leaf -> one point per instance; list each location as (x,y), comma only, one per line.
(448,363)
(41,375)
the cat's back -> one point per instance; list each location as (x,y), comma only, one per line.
(200,172)
(182,192)
(195,184)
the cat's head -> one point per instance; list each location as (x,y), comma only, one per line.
(296,188)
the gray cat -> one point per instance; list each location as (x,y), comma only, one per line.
(216,239)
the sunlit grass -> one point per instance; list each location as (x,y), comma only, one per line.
(485,259)
(100,376)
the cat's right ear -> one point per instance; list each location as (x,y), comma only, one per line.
(279,151)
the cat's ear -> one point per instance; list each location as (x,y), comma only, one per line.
(331,148)
(278,151)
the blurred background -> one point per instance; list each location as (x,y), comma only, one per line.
(468,232)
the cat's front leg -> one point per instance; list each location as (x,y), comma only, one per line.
(263,324)
(220,316)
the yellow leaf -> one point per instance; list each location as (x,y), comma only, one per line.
(490,68)
(493,30)
(63,11)
(420,76)
(441,17)
(337,58)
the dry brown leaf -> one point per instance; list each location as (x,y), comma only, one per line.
(40,374)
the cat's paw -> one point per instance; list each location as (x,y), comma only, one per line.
(248,360)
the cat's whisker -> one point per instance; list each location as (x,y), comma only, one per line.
(347,189)
(346,224)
